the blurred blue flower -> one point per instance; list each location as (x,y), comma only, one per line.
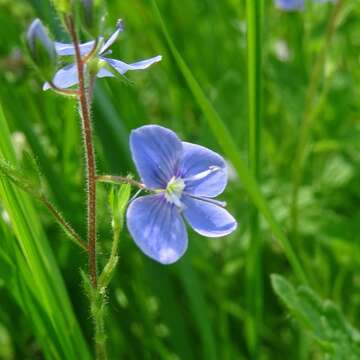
(289,5)
(105,67)
(183,178)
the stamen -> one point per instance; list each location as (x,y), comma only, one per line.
(174,191)
(135,195)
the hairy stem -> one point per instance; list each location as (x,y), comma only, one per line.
(60,219)
(97,299)
(100,334)
(89,155)
(20,180)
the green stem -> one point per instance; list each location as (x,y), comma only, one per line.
(20,180)
(253,269)
(309,117)
(97,298)
(61,91)
(64,224)
(100,333)
(114,179)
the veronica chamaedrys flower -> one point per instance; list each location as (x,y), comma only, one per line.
(105,67)
(290,5)
(184,179)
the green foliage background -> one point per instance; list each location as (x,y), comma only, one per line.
(198,308)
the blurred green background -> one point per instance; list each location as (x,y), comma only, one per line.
(201,307)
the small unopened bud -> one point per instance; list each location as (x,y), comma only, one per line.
(41,48)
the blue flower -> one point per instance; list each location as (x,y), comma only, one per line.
(183,178)
(106,67)
(289,5)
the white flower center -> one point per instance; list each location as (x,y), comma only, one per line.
(174,190)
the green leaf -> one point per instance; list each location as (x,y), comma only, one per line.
(19,178)
(118,199)
(322,319)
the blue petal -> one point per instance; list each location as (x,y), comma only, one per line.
(206,218)
(157,228)
(64,78)
(68,49)
(113,37)
(104,73)
(122,67)
(156,152)
(198,160)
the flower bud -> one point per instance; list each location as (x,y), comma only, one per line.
(41,48)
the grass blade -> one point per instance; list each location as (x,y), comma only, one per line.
(253,261)
(39,287)
(225,140)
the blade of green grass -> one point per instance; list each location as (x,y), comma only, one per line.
(199,308)
(170,312)
(39,289)
(253,260)
(309,115)
(225,140)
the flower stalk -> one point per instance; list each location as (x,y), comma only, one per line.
(61,91)
(114,179)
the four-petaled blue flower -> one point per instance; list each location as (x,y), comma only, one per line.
(106,67)
(289,5)
(184,178)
